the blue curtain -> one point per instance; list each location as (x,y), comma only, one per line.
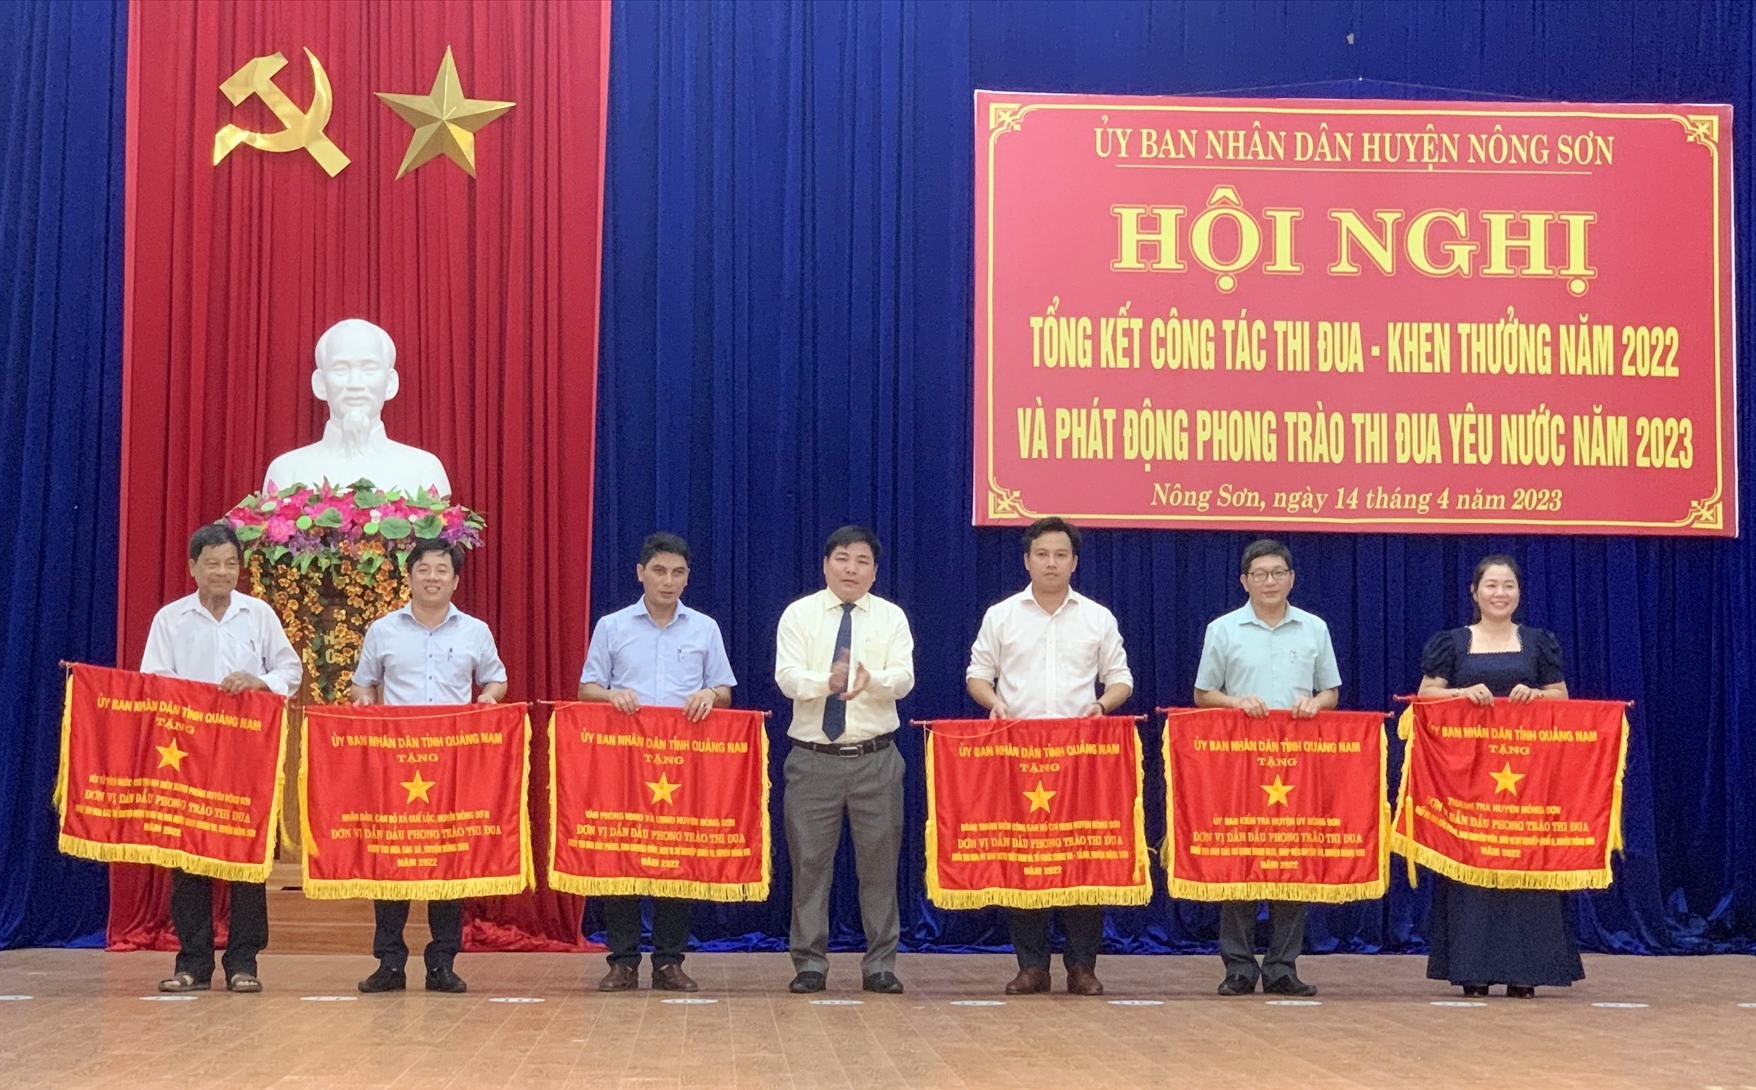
(786,347)
(61,75)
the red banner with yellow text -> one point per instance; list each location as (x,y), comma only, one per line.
(173,772)
(650,803)
(1034,813)
(1513,796)
(1276,808)
(1354,315)
(415,802)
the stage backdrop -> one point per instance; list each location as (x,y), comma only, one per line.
(787,333)
(1298,314)
(787,344)
(488,285)
(60,397)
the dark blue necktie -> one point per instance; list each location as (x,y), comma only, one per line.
(835,712)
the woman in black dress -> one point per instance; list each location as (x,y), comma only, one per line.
(1478,937)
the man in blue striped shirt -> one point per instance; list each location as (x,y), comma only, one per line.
(656,652)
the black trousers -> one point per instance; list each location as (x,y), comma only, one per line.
(192,918)
(1030,936)
(670,929)
(444,920)
(1237,939)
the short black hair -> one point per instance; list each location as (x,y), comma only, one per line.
(851,535)
(436,545)
(1495,560)
(1051,525)
(663,542)
(1260,548)
(214,533)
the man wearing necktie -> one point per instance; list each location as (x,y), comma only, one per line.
(844,656)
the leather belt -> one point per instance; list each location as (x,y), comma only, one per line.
(852,749)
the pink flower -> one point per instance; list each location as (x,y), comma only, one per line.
(279,530)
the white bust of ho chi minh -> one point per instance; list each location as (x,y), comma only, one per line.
(356,375)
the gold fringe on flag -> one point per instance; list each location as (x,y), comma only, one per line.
(1403,842)
(726,892)
(158,855)
(1308,892)
(1138,892)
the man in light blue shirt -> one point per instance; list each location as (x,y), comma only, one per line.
(1266,654)
(656,652)
(427,652)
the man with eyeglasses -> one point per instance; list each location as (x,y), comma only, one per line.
(1266,654)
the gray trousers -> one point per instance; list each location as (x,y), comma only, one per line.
(820,788)
(1237,939)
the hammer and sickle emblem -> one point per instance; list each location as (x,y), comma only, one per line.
(304,128)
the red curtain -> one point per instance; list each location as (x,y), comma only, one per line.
(489,287)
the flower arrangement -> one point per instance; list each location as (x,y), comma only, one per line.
(331,561)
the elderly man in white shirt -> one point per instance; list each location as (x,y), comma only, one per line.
(427,652)
(845,657)
(234,641)
(1041,654)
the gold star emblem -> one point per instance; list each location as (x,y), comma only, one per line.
(445,122)
(171,757)
(1277,791)
(1039,799)
(663,789)
(1506,780)
(417,788)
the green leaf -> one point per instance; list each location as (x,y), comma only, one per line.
(248,533)
(371,527)
(395,528)
(429,526)
(274,553)
(361,485)
(368,498)
(329,519)
(303,563)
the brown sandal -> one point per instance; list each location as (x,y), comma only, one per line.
(184,982)
(243,982)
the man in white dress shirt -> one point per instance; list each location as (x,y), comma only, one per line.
(427,652)
(1041,654)
(234,641)
(845,657)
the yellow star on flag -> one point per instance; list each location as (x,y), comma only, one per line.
(170,756)
(445,122)
(663,789)
(1039,799)
(1277,791)
(417,788)
(1506,780)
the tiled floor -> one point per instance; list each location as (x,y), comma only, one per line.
(1375,1025)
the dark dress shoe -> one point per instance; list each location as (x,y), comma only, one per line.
(1031,981)
(180,983)
(1082,980)
(1236,985)
(622,978)
(243,982)
(444,980)
(807,982)
(1517,991)
(672,978)
(1475,991)
(384,980)
(1289,985)
(883,983)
